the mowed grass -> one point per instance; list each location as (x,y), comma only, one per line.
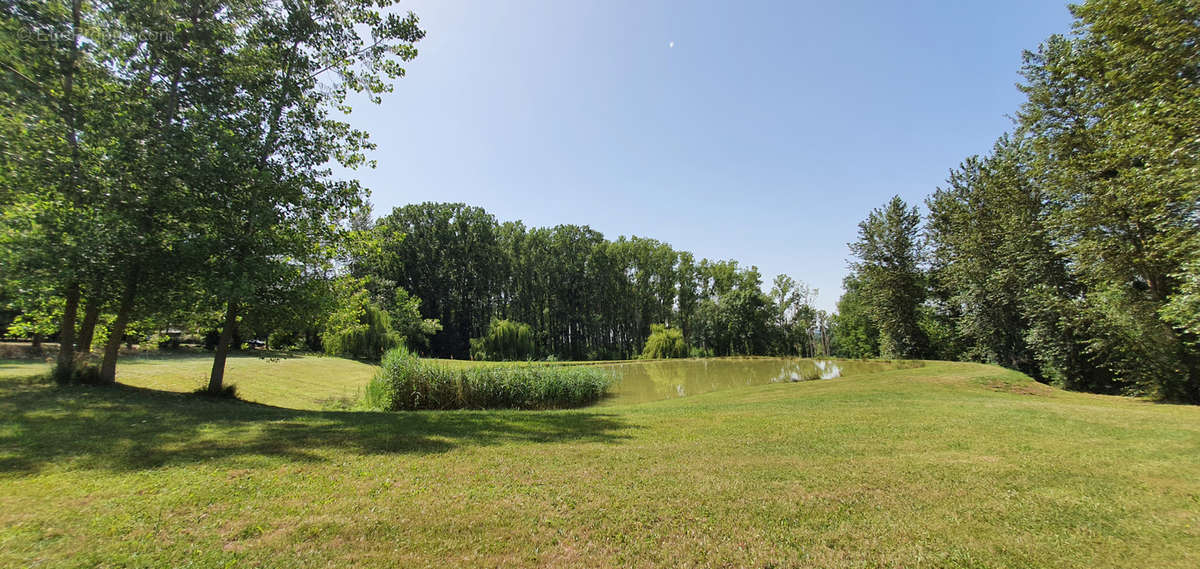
(282,380)
(948,465)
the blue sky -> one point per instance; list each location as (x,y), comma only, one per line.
(764,133)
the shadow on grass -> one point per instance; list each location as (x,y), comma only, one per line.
(128,428)
(202,354)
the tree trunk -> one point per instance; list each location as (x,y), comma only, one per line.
(87,329)
(108,366)
(64,369)
(217,377)
(36,341)
(66,336)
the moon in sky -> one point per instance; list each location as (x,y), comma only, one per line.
(671,44)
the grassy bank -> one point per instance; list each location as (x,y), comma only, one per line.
(949,465)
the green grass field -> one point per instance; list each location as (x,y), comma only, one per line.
(948,465)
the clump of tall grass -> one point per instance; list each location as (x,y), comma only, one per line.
(405,382)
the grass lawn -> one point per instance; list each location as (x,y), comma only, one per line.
(296,382)
(948,465)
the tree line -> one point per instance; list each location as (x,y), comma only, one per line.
(1071,251)
(582,296)
(170,162)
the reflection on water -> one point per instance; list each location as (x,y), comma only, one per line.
(639,382)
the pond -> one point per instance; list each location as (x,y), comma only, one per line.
(639,382)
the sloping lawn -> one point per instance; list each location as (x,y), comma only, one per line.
(948,465)
(294,381)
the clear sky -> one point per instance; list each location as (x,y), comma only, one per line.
(762,132)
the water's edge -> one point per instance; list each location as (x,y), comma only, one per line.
(653,380)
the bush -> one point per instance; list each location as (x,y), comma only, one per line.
(88,374)
(695,352)
(284,340)
(228,391)
(405,382)
(664,343)
(165,342)
(506,340)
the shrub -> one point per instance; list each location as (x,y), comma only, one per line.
(81,372)
(165,342)
(696,352)
(284,340)
(664,343)
(228,391)
(506,340)
(405,382)
(88,374)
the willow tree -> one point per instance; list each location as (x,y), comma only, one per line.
(506,340)
(664,343)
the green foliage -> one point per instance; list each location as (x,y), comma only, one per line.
(889,253)
(364,332)
(405,382)
(665,343)
(177,159)
(989,248)
(734,317)
(1183,308)
(1122,187)
(226,392)
(360,327)
(1070,251)
(405,312)
(796,323)
(698,352)
(505,341)
(284,340)
(855,335)
(447,255)
(583,296)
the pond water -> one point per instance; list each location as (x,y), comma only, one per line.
(639,382)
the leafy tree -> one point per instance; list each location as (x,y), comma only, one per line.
(795,318)
(889,253)
(1111,115)
(274,202)
(54,84)
(359,328)
(688,293)
(665,343)
(854,333)
(582,295)
(505,340)
(1183,309)
(448,256)
(405,312)
(983,231)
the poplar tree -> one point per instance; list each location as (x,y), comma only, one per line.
(273,204)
